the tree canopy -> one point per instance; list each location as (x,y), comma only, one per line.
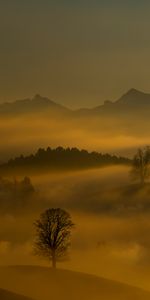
(141,165)
(61,159)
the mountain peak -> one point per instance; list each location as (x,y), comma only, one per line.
(31,105)
(134,92)
(134,97)
(39,97)
(42,100)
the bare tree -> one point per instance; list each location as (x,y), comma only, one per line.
(141,163)
(53,231)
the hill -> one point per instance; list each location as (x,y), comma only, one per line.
(6,295)
(44,284)
(60,159)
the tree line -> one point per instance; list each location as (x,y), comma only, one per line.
(62,159)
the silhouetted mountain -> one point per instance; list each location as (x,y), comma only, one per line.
(134,97)
(36,104)
(132,101)
(61,159)
(110,127)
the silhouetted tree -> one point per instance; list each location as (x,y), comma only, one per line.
(53,231)
(141,163)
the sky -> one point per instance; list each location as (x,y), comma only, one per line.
(77,53)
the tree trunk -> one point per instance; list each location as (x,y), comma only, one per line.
(142,180)
(53,261)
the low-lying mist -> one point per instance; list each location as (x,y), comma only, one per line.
(112,223)
(27,133)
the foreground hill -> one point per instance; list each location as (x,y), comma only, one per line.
(5,295)
(44,284)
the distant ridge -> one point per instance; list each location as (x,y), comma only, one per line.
(61,159)
(35,104)
(38,103)
(119,127)
(134,97)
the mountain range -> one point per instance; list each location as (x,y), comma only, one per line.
(35,104)
(132,99)
(117,127)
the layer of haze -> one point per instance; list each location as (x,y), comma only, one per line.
(76,52)
(111,236)
(25,134)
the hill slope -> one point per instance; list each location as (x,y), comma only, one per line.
(44,284)
(6,295)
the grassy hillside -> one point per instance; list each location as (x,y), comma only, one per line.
(5,295)
(43,283)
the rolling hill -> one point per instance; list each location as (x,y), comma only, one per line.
(44,284)
(6,295)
